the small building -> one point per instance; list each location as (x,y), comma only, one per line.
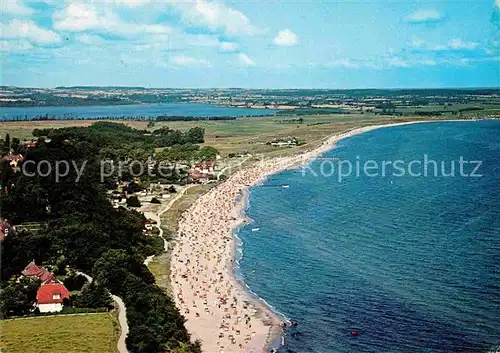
(241,154)
(14,159)
(5,229)
(198,176)
(150,223)
(30,144)
(50,296)
(205,167)
(34,272)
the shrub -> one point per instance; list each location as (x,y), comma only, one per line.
(93,296)
(133,201)
(155,200)
(74,282)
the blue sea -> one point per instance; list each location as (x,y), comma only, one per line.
(394,263)
(133,110)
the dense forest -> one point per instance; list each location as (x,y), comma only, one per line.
(108,134)
(117,142)
(78,227)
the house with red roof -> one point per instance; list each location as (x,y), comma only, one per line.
(34,272)
(205,166)
(198,176)
(30,144)
(13,159)
(50,296)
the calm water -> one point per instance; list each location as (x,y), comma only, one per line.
(411,263)
(137,110)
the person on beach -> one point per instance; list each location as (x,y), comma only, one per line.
(225,316)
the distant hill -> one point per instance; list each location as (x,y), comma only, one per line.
(100,87)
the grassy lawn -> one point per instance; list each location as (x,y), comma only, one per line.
(92,333)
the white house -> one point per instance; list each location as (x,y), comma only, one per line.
(50,296)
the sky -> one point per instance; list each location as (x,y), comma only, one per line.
(250,43)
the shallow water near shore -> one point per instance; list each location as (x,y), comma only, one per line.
(409,263)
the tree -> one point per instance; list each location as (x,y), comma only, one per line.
(133,187)
(93,295)
(196,135)
(155,200)
(17,299)
(74,282)
(133,201)
(207,153)
(15,145)
(7,142)
(6,172)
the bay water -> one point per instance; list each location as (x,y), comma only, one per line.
(387,263)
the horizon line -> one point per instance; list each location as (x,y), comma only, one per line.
(261,88)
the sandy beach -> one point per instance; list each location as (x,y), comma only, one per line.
(219,311)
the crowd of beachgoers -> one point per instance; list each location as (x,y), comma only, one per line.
(219,311)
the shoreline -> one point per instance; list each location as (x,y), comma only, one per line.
(205,235)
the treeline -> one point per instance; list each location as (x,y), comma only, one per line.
(290,121)
(155,323)
(313,111)
(108,134)
(53,101)
(81,229)
(47,117)
(193,118)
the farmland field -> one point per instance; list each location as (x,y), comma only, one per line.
(243,134)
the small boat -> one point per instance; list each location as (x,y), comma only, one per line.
(255,229)
(286,186)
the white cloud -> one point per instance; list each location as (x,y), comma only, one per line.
(497,3)
(428,62)
(345,63)
(83,17)
(283,66)
(76,18)
(424,15)
(228,47)
(90,39)
(15,45)
(197,40)
(188,61)
(417,43)
(215,17)
(458,44)
(132,3)
(15,7)
(397,62)
(452,44)
(245,60)
(17,29)
(286,38)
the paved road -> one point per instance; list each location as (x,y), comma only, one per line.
(122,317)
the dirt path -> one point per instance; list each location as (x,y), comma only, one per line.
(122,318)
(157,218)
